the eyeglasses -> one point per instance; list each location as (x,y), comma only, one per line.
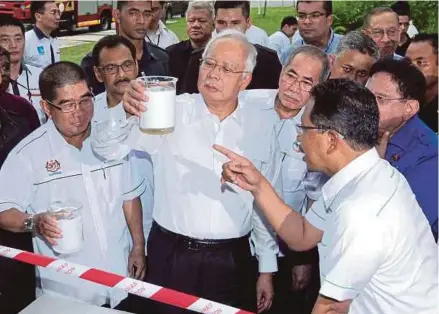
(127,66)
(211,64)
(312,16)
(381,99)
(378,34)
(300,128)
(74,105)
(290,79)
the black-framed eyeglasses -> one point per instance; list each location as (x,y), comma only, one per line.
(126,66)
(71,106)
(312,16)
(301,127)
(211,64)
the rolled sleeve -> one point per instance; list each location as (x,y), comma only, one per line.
(15,184)
(135,182)
(356,254)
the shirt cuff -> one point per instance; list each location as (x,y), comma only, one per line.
(267,263)
(136,191)
(337,292)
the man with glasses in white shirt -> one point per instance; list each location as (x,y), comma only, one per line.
(54,164)
(199,241)
(314,19)
(297,282)
(377,254)
(158,34)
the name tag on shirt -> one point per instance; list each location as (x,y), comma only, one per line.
(40,50)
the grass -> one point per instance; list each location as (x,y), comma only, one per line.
(270,23)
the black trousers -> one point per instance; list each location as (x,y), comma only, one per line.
(222,274)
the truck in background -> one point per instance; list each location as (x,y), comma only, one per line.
(74,14)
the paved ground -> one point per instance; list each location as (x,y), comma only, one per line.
(82,36)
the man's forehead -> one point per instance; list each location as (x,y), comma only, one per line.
(232,13)
(386,19)
(10,30)
(305,65)
(139,5)
(310,6)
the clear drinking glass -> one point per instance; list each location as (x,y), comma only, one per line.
(68,216)
(159,119)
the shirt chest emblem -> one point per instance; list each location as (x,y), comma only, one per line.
(40,50)
(53,167)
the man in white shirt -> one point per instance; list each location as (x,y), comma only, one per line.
(24,78)
(54,164)
(296,283)
(377,253)
(257,35)
(115,67)
(41,48)
(199,241)
(281,40)
(158,34)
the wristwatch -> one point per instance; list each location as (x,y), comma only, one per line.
(30,224)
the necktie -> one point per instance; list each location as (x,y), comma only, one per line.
(52,54)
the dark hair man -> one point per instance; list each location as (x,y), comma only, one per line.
(133,18)
(281,40)
(41,48)
(364,246)
(55,163)
(412,147)
(24,78)
(17,119)
(423,54)
(314,19)
(402,9)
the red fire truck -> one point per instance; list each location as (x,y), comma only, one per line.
(74,14)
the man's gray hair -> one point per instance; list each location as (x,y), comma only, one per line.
(235,35)
(357,40)
(201,5)
(315,53)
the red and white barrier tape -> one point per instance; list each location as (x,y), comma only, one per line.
(133,286)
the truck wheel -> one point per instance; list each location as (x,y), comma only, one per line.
(105,22)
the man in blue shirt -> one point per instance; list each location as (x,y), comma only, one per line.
(412,147)
(314,20)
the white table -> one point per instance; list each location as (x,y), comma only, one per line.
(50,305)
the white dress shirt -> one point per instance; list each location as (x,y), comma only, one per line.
(29,89)
(141,160)
(44,168)
(279,42)
(377,248)
(189,198)
(257,35)
(37,50)
(297,181)
(162,37)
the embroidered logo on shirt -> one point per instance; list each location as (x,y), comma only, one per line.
(53,166)
(40,50)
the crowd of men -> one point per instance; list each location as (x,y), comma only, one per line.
(302,175)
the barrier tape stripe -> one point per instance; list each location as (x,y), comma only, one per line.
(137,287)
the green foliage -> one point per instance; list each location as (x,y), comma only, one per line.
(349,14)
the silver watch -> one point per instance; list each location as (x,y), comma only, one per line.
(30,224)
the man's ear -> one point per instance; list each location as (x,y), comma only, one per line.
(98,74)
(333,141)
(411,108)
(46,108)
(329,19)
(245,81)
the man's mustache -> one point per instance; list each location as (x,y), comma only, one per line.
(124,80)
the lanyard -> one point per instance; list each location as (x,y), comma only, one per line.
(16,91)
(158,40)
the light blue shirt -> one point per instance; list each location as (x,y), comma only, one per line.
(332,45)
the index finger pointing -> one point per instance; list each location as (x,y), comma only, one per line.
(229,154)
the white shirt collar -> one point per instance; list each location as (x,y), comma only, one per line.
(200,110)
(338,181)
